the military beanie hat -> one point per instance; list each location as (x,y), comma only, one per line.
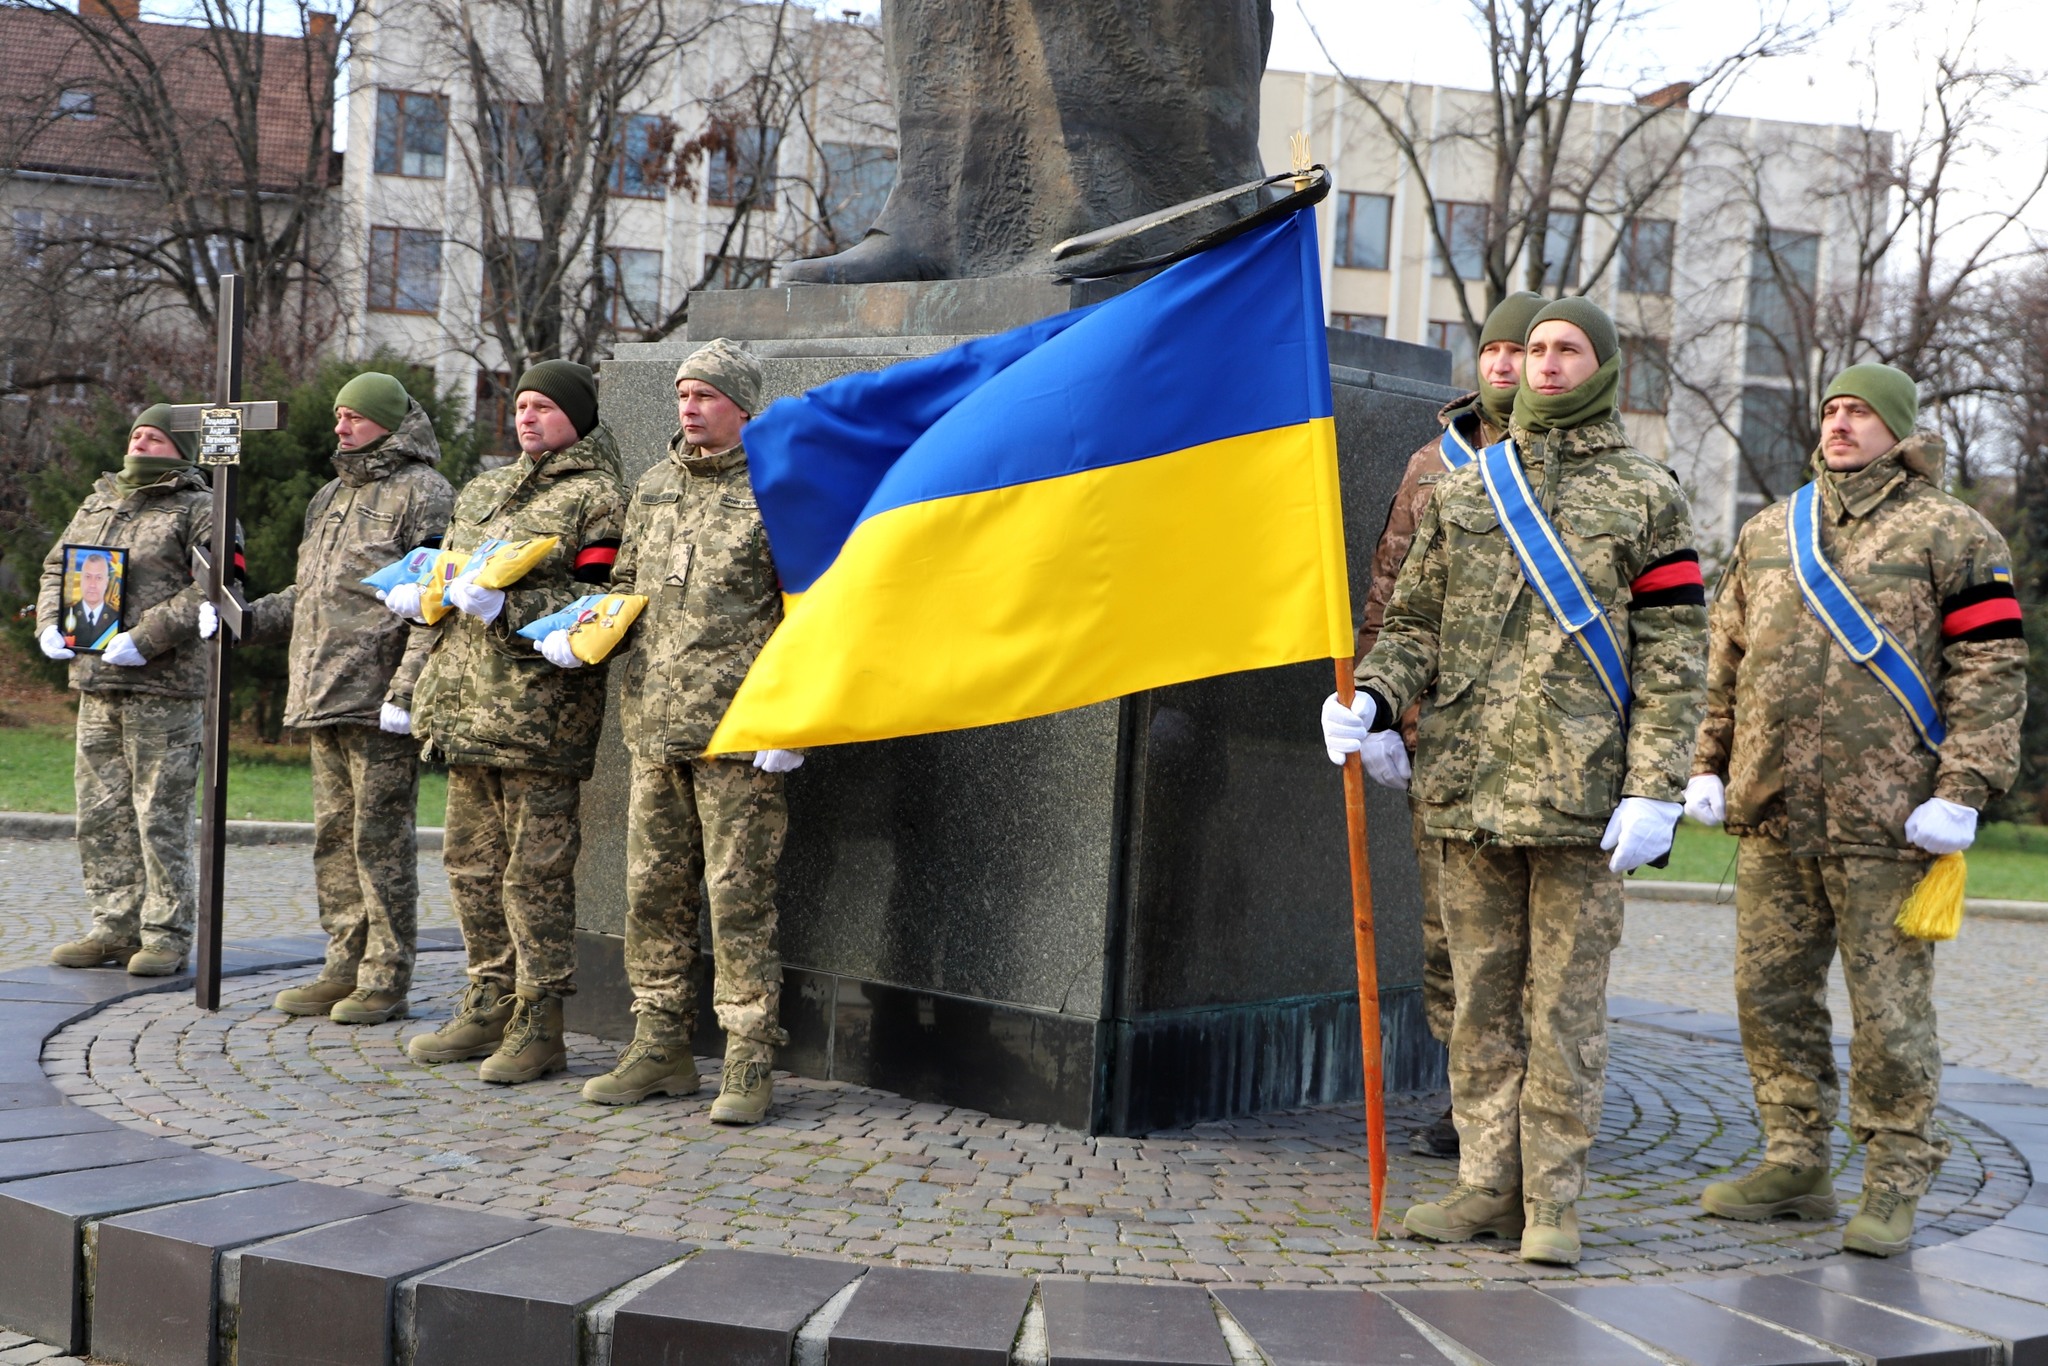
(1588,317)
(377,396)
(1890,392)
(729,369)
(1509,321)
(572,387)
(158,415)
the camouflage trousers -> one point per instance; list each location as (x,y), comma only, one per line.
(366,866)
(1531,931)
(1439,998)
(716,826)
(510,848)
(137,780)
(1791,914)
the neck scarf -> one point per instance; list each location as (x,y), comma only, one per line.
(1591,401)
(140,471)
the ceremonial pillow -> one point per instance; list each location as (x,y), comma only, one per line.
(410,567)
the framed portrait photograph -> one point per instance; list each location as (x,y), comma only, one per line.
(95,588)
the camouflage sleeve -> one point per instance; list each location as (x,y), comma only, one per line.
(1393,547)
(1727,643)
(427,512)
(626,568)
(268,620)
(175,621)
(1667,623)
(1402,662)
(1984,675)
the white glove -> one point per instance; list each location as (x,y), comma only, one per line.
(121,650)
(52,641)
(1345,728)
(404,600)
(1386,759)
(554,647)
(1942,827)
(1706,800)
(482,603)
(393,720)
(209,621)
(777,760)
(1638,831)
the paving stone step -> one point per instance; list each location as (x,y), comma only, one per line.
(1518,1327)
(929,1318)
(1688,1329)
(524,1302)
(1871,1335)
(2022,1328)
(1328,1328)
(741,1308)
(1112,1323)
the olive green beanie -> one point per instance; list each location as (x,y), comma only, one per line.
(1585,315)
(1890,392)
(158,415)
(728,368)
(1509,321)
(377,396)
(573,388)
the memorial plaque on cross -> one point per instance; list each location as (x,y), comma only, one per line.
(220,425)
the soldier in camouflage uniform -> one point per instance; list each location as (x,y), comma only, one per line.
(1525,772)
(694,544)
(518,735)
(1482,419)
(352,669)
(139,704)
(1839,805)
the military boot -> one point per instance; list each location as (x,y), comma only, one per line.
(1439,1139)
(1772,1191)
(1883,1226)
(364,1006)
(92,952)
(478,1025)
(1466,1213)
(747,1087)
(532,1046)
(1552,1233)
(317,997)
(651,1065)
(156,961)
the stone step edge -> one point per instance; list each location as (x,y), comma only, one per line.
(1723,894)
(43,825)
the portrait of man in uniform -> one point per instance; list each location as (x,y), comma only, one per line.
(92,595)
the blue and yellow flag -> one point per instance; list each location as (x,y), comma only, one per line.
(1124,496)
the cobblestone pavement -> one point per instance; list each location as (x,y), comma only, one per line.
(855,1172)
(1990,982)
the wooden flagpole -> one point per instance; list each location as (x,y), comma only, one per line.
(1365,946)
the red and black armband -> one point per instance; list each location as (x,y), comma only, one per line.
(1672,581)
(1985,611)
(594,562)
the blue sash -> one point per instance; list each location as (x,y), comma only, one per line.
(1862,637)
(1551,571)
(1456,451)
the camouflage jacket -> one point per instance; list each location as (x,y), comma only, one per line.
(348,655)
(158,526)
(694,544)
(1519,744)
(1815,752)
(1418,482)
(486,696)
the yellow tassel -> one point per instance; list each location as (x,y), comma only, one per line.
(1934,910)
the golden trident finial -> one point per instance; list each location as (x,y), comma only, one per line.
(1297,145)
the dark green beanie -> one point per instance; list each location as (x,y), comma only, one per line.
(158,415)
(573,388)
(1890,392)
(1509,321)
(1585,315)
(377,396)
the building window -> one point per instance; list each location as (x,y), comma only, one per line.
(28,237)
(737,272)
(1362,230)
(511,281)
(1645,375)
(412,135)
(1783,270)
(858,179)
(76,103)
(516,149)
(494,413)
(1561,250)
(632,286)
(1646,256)
(405,270)
(1456,338)
(636,165)
(742,169)
(1464,228)
(1366,324)
(1774,456)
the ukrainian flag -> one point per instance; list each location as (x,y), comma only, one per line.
(1133,494)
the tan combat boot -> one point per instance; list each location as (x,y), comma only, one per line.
(651,1065)
(478,1025)
(1883,1226)
(1466,1213)
(747,1087)
(1771,1191)
(366,1007)
(317,997)
(1551,1233)
(156,962)
(532,1046)
(92,952)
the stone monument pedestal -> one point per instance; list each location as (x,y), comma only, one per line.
(1129,917)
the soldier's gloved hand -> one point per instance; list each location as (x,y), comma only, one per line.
(121,650)
(394,720)
(52,641)
(1345,728)
(209,621)
(1942,827)
(482,603)
(554,647)
(777,760)
(404,600)
(1638,831)
(1706,799)
(1386,759)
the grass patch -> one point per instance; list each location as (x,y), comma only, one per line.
(2007,863)
(265,782)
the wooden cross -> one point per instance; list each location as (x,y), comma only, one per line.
(220,425)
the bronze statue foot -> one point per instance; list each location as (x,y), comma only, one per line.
(876,257)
